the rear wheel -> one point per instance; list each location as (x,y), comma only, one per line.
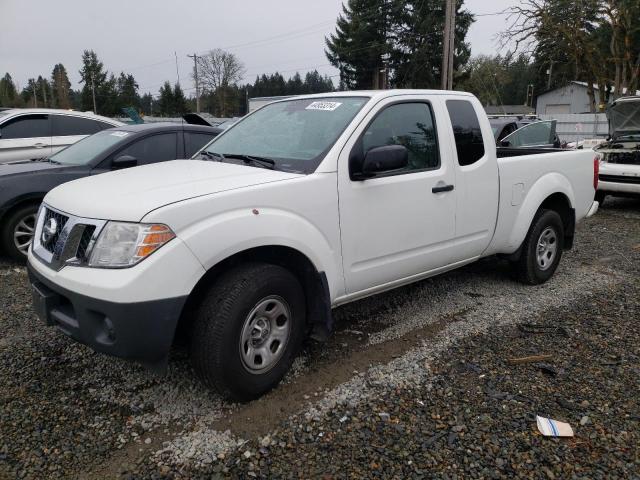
(17,232)
(248,330)
(542,249)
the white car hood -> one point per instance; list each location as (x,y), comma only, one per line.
(130,194)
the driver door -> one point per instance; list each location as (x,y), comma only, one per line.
(398,224)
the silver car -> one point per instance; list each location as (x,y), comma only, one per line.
(29,133)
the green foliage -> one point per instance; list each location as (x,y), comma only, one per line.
(404,37)
(60,87)
(172,101)
(498,80)
(8,93)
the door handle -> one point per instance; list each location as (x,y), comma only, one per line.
(39,145)
(442,188)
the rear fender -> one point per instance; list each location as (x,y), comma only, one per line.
(542,189)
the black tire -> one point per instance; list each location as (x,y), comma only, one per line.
(600,196)
(13,220)
(220,321)
(528,268)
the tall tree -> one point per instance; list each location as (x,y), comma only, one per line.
(360,43)
(401,40)
(217,72)
(596,41)
(179,100)
(60,87)
(93,75)
(8,92)
(166,101)
(127,89)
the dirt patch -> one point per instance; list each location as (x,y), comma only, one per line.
(260,416)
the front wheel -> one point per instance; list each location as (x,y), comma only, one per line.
(541,249)
(17,232)
(248,330)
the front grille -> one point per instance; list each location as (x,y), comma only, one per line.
(61,222)
(67,241)
(85,240)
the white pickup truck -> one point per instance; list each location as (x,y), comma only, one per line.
(306,204)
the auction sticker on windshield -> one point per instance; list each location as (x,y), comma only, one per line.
(326,106)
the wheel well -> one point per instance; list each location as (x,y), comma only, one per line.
(559,203)
(19,204)
(314,283)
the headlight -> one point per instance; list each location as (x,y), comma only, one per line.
(125,244)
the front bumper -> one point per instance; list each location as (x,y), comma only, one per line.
(618,178)
(141,331)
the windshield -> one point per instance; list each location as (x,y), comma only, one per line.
(295,134)
(84,151)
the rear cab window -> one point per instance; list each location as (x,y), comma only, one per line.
(466,131)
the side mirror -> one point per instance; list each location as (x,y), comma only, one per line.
(505,143)
(124,161)
(384,159)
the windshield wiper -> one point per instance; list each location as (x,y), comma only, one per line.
(261,161)
(212,155)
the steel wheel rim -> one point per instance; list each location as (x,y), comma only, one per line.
(265,334)
(23,233)
(547,248)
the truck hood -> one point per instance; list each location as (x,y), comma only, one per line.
(130,194)
(624,117)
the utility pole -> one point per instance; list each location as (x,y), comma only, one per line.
(35,95)
(195,70)
(549,72)
(93,92)
(448,45)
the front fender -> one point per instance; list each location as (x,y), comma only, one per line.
(219,237)
(542,189)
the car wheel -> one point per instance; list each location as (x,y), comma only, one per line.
(248,330)
(17,232)
(541,249)
(600,196)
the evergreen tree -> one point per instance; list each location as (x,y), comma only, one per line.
(361,41)
(93,72)
(179,101)
(60,87)
(402,39)
(29,94)
(146,104)
(127,88)
(8,92)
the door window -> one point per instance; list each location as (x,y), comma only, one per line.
(67,125)
(156,148)
(26,126)
(194,141)
(534,134)
(466,130)
(410,125)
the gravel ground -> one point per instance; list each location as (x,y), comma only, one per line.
(414,383)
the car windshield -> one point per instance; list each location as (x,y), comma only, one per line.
(295,134)
(84,151)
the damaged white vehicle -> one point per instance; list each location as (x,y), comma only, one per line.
(620,155)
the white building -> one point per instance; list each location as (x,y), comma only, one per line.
(572,98)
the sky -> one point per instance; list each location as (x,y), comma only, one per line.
(144,37)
